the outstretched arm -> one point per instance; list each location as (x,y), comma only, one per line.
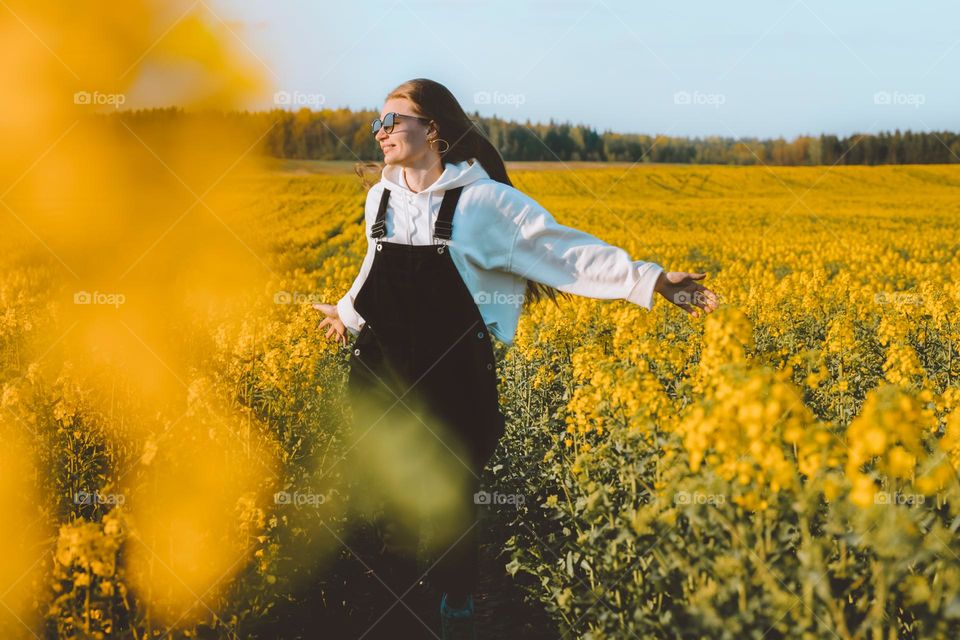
(577,262)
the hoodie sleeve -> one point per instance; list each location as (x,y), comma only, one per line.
(576,262)
(351,319)
(348,315)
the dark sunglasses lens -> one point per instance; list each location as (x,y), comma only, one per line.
(388,121)
(375,126)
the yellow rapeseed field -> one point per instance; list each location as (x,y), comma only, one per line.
(785,467)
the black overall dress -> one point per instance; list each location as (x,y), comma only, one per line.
(425,349)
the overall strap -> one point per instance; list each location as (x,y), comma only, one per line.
(379,228)
(443,228)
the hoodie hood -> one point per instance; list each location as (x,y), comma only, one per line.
(454,175)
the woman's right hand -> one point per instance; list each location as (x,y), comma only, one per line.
(333,322)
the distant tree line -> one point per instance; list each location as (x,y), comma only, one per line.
(344,134)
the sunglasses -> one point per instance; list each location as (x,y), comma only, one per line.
(390,120)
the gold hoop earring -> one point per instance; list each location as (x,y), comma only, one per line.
(447,148)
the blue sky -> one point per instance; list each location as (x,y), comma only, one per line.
(680,68)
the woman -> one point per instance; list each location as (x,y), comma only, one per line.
(453,252)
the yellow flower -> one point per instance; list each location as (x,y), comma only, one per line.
(901,462)
(864,491)
(831,488)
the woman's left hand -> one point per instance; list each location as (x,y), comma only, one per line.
(683,290)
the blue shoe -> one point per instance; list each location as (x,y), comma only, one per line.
(457,624)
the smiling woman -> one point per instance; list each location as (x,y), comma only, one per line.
(453,252)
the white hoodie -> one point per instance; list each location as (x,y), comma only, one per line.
(501,237)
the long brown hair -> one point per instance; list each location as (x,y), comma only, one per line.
(466,140)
